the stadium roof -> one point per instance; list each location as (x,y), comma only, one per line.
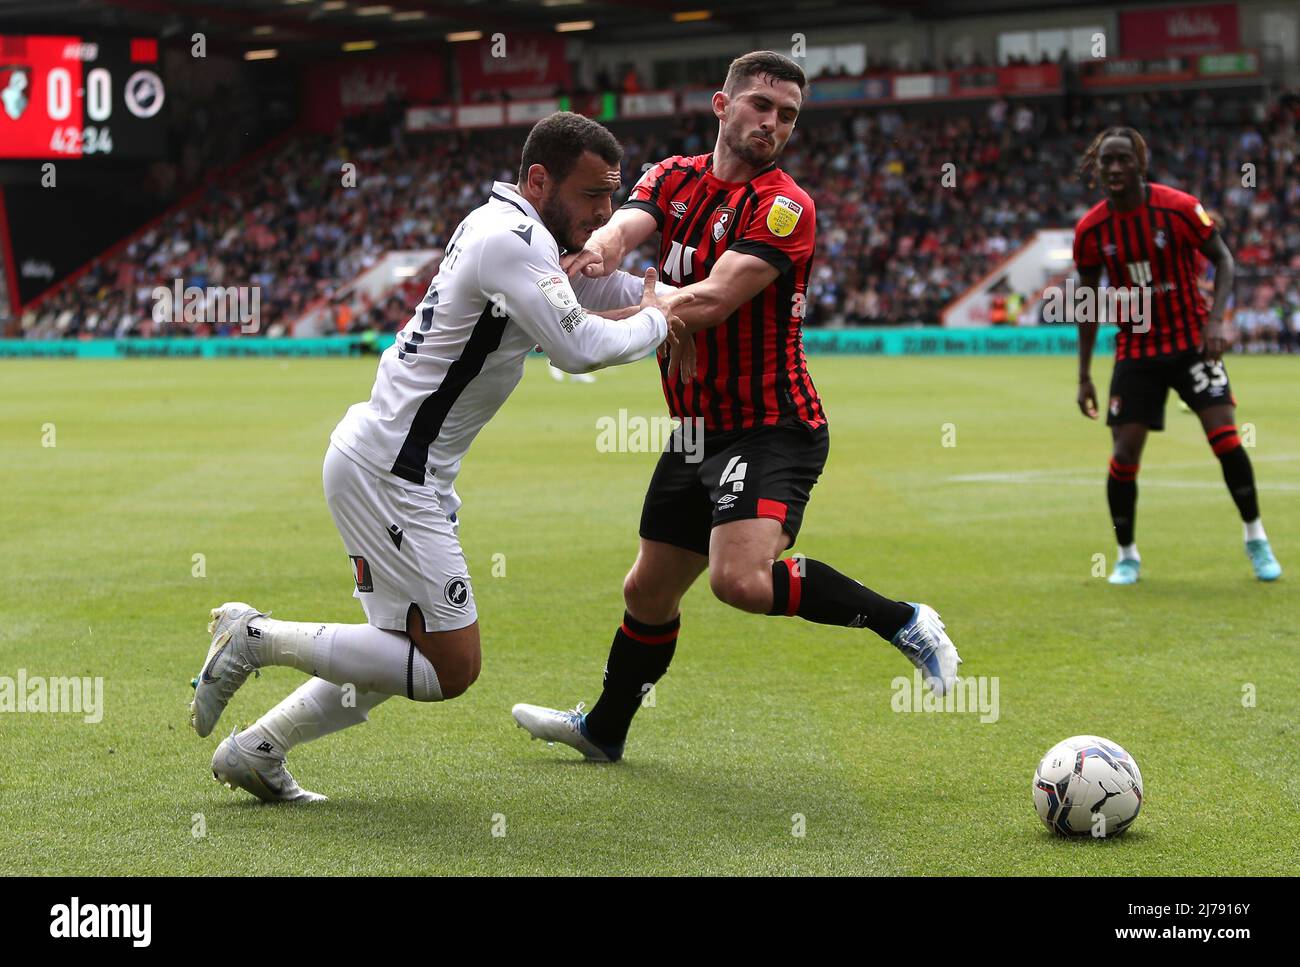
(315,26)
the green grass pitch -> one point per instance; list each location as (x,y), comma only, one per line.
(760,720)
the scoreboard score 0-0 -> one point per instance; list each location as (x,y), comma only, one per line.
(74,97)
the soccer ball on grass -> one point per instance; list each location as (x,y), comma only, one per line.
(1087,786)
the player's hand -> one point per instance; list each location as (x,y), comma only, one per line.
(667,304)
(1087,399)
(593,260)
(1214,339)
(681,359)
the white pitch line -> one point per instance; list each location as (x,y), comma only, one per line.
(1056,478)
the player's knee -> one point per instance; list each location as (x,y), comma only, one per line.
(745,589)
(1126,454)
(456,673)
(645,601)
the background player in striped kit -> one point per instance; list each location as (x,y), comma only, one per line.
(1147,235)
(738,233)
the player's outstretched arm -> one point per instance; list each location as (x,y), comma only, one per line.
(734,279)
(607,246)
(1089,278)
(538,297)
(1214,339)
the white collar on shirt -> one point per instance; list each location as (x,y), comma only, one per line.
(502,189)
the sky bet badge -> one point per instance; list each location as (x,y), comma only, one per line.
(783,216)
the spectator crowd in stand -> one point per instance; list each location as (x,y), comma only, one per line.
(911,211)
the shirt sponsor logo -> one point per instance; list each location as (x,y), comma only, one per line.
(573,319)
(783,216)
(361,573)
(558,292)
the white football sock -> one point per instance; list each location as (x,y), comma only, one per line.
(1255,530)
(1129,553)
(368,658)
(315,709)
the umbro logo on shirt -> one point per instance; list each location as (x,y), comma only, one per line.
(679,208)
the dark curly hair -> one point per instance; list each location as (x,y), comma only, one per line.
(1088,163)
(558,140)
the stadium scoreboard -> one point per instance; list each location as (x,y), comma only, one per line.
(77,97)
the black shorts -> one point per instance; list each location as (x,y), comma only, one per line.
(1139,387)
(766,471)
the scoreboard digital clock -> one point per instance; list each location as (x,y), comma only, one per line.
(74,97)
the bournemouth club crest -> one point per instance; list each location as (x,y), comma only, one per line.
(723,222)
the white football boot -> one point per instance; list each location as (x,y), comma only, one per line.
(928,647)
(261,773)
(553,725)
(228,664)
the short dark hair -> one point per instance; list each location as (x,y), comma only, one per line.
(765,63)
(558,140)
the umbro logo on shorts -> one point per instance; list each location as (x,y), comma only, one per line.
(456,592)
(361,573)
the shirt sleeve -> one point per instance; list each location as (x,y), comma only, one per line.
(1086,255)
(523,277)
(614,291)
(648,194)
(781,229)
(1198,225)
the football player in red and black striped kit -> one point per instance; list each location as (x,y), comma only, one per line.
(1146,238)
(739,234)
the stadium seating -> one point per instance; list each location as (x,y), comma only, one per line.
(895,242)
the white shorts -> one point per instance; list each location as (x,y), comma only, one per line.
(403,548)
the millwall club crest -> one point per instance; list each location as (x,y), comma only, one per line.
(723,222)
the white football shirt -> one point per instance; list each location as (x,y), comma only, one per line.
(498,292)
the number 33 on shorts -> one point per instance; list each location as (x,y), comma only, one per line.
(1208,376)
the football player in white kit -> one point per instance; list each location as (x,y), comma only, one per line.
(391,466)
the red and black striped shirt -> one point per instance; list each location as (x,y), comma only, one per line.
(1154,246)
(751,369)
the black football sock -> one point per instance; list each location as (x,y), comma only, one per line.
(817,592)
(1237,472)
(1122,495)
(638,658)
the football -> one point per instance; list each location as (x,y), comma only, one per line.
(1087,786)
